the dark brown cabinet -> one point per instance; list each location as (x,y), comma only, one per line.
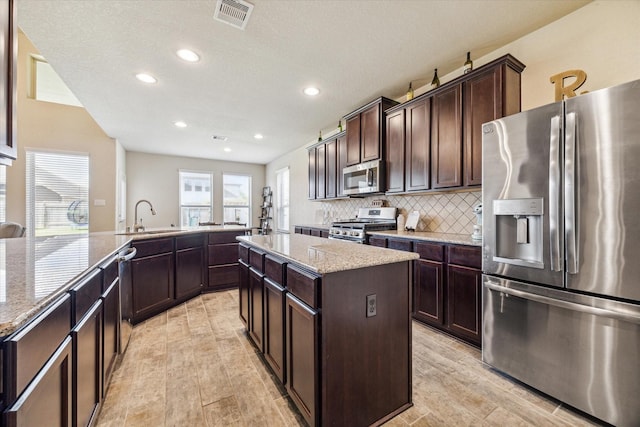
(428,282)
(47,399)
(152,275)
(8,88)
(341,146)
(488,95)
(409,147)
(395,147)
(320,172)
(256,297)
(464,292)
(190,265)
(447,288)
(446,138)
(223,260)
(256,305)
(326,161)
(312,231)
(418,145)
(111,309)
(302,357)
(87,366)
(366,131)
(312,173)
(244,289)
(378,241)
(274,315)
(353,141)
(442,134)
(330,168)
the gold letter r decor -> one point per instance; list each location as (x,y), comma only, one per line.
(570,90)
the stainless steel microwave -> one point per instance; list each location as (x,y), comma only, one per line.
(363,178)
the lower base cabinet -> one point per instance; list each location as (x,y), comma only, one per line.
(87,366)
(302,357)
(189,266)
(152,275)
(256,323)
(47,399)
(464,289)
(428,291)
(243,288)
(447,288)
(274,322)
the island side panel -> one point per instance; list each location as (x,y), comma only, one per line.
(366,361)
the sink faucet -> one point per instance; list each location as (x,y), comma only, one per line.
(138,226)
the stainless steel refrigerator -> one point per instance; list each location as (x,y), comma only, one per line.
(561,250)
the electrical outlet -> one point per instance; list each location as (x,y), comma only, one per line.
(371,305)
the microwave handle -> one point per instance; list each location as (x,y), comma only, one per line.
(369,177)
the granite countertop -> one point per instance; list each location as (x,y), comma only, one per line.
(35,271)
(325,255)
(458,239)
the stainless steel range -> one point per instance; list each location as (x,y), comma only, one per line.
(369,219)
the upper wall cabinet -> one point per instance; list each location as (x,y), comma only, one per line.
(434,142)
(366,131)
(326,161)
(8,99)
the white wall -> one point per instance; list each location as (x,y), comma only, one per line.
(154,177)
(601,38)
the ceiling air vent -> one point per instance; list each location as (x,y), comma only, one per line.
(233,12)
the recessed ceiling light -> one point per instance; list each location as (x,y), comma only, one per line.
(311,91)
(258,136)
(147,78)
(180,124)
(227,149)
(188,55)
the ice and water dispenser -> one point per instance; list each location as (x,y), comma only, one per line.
(519,228)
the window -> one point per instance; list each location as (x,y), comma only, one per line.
(46,84)
(196,198)
(282,199)
(57,187)
(236,199)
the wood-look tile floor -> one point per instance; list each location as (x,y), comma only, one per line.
(194,366)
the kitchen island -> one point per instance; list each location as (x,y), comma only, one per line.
(333,320)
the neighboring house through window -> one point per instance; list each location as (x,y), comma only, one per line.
(57,193)
(196,197)
(282,199)
(236,199)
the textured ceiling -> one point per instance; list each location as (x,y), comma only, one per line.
(251,81)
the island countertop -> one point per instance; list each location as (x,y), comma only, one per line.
(322,255)
(35,271)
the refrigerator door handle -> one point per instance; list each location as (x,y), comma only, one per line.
(554,195)
(617,315)
(570,193)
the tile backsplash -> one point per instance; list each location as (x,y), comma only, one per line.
(440,213)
